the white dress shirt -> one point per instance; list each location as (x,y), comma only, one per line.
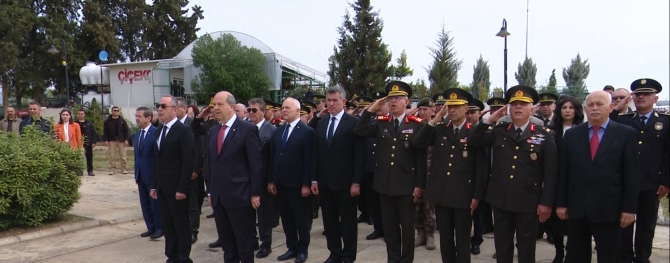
(338,118)
(66,128)
(228,124)
(290,128)
(168,125)
(260,124)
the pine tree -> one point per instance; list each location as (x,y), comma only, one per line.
(401,69)
(98,32)
(361,59)
(170,28)
(419,88)
(443,71)
(526,73)
(16,20)
(574,76)
(481,79)
(551,87)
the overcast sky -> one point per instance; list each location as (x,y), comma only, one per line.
(623,40)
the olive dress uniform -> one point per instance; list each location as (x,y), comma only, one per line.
(457,175)
(652,135)
(397,173)
(523,175)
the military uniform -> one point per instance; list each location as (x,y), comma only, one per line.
(523,176)
(425,210)
(652,138)
(455,180)
(398,170)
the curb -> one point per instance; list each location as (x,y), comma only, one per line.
(59,230)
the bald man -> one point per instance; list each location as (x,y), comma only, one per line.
(241,111)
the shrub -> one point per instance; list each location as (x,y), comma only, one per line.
(38,178)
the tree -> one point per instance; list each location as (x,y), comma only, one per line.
(551,86)
(443,71)
(481,79)
(526,73)
(498,92)
(226,64)
(361,59)
(419,89)
(170,29)
(401,69)
(574,76)
(98,32)
(15,22)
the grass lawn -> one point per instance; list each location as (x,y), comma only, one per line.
(61,220)
(101,160)
(664,204)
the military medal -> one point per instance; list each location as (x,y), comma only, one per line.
(658,126)
(465,154)
(406,145)
(533,156)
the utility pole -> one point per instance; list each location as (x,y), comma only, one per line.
(527,2)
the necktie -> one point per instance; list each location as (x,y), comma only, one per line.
(331,129)
(546,122)
(163,137)
(219,138)
(518,133)
(139,143)
(643,120)
(594,141)
(456,131)
(396,124)
(284,137)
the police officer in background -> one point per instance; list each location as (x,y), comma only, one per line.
(399,168)
(523,181)
(652,135)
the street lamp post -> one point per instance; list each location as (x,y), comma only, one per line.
(503,33)
(53,50)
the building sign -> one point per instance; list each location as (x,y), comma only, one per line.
(22,113)
(131,76)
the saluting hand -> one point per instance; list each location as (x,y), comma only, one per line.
(440,115)
(493,118)
(377,104)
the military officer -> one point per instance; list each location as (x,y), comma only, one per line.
(350,108)
(425,211)
(653,135)
(547,107)
(362,102)
(523,180)
(398,170)
(372,196)
(439,102)
(495,103)
(482,218)
(456,182)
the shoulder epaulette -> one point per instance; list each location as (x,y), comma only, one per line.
(627,113)
(413,118)
(665,113)
(384,118)
(532,127)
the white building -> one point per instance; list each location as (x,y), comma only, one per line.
(135,84)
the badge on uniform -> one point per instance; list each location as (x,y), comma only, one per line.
(386,130)
(658,126)
(465,154)
(464,140)
(408,131)
(533,156)
(406,145)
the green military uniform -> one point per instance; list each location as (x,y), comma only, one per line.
(523,176)
(425,210)
(457,177)
(398,171)
(653,135)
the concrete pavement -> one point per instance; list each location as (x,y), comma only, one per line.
(113,202)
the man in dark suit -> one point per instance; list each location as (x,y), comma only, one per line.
(144,159)
(173,165)
(522,184)
(235,179)
(337,172)
(457,174)
(194,203)
(291,149)
(265,212)
(368,176)
(399,168)
(598,188)
(652,133)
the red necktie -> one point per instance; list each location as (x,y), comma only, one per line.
(594,141)
(219,138)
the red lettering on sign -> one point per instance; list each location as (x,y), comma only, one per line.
(131,76)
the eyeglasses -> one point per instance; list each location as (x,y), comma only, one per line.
(115,110)
(163,106)
(618,97)
(252,110)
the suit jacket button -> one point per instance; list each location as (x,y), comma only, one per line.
(392,155)
(511,177)
(448,173)
(640,142)
(391,163)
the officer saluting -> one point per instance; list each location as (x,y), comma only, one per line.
(653,133)
(398,170)
(523,181)
(457,174)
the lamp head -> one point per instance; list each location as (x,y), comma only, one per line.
(503,32)
(53,50)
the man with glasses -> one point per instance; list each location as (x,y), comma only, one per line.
(115,135)
(617,96)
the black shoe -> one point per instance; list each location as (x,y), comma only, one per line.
(550,239)
(215,244)
(275,224)
(288,255)
(362,218)
(487,230)
(210,216)
(475,250)
(301,258)
(376,234)
(256,246)
(370,222)
(194,238)
(91,173)
(315,214)
(263,252)
(330,260)
(147,234)
(348,261)
(156,235)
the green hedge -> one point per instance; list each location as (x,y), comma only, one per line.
(38,178)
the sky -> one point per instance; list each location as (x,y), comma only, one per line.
(623,40)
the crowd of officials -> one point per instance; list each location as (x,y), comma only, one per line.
(587,170)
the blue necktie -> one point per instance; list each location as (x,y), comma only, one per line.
(139,143)
(331,130)
(284,138)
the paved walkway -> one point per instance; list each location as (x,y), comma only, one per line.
(114,237)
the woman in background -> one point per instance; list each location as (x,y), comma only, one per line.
(568,113)
(68,131)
